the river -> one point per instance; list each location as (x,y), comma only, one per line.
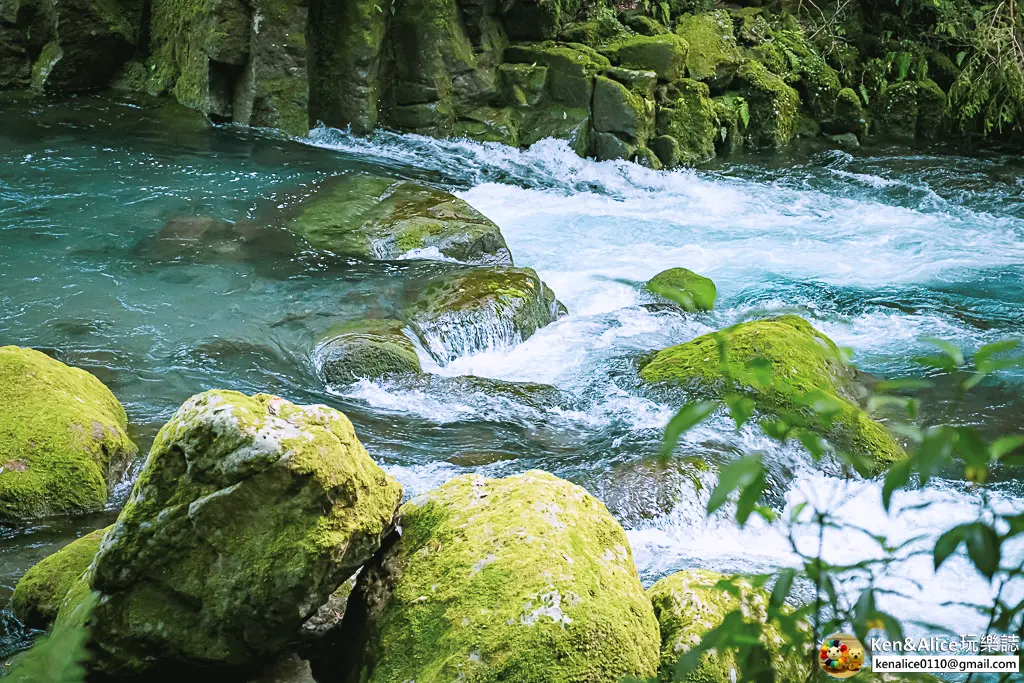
(877,247)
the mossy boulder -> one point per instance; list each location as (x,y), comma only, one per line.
(931,110)
(618,109)
(663,54)
(896,111)
(368,349)
(645,25)
(713,56)
(688,605)
(558,122)
(527,578)
(806,368)
(593,32)
(249,513)
(849,115)
(63,437)
(374,217)
(610,147)
(522,84)
(538,19)
(773,107)
(691,291)
(570,70)
(40,592)
(469,311)
(689,117)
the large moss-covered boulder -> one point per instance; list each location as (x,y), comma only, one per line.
(622,110)
(63,437)
(374,217)
(569,79)
(527,578)
(688,116)
(688,605)
(691,291)
(806,368)
(663,54)
(773,107)
(467,312)
(249,513)
(931,109)
(40,592)
(896,111)
(849,115)
(713,55)
(368,349)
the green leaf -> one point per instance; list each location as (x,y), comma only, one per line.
(1005,445)
(907,384)
(737,474)
(761,368)
(954,352)
(983,546)
(780,591)
(683,421)
(750,494)
(740,407)
(985,353)
(897,477)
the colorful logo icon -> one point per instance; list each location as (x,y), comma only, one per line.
(841,655)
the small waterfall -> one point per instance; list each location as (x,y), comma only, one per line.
(464,333)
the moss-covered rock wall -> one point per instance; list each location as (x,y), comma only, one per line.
(673,85)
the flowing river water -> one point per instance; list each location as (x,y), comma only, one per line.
(877,248)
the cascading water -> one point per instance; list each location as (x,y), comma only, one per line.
(876,249)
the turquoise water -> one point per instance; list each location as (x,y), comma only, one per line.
(876,248)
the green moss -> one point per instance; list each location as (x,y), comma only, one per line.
(561,123)
(662,54)
(63,437)
(489,124)
(570,70)
(522,84)
(524,579)
(346,46)
(849,116)
(690,119)
(249,513)
(688,605)
(593,32)
(619,110)
(693,292)
(366,348)
(804,363)
(645,25)
(374,217)
(454,312)
(896,111)
(713,56)
(47,59)
(772,104)
(38,596)
(931,109)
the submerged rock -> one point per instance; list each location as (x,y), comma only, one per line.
(368,349)
(40,592)
(373,217)
(485,308)
(806,367)
(688,605)
(494,578)
(249,513)
(691,291)
(63,437)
